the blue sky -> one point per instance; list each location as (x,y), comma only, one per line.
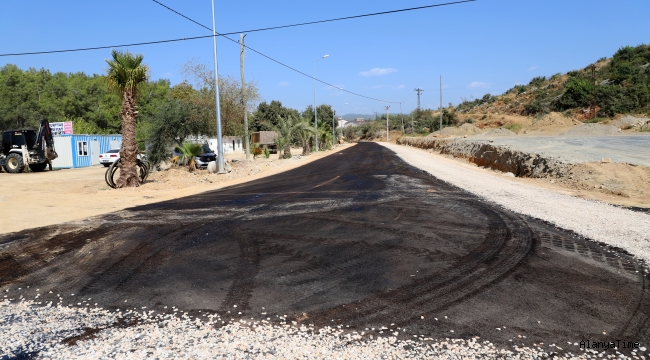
(482,47)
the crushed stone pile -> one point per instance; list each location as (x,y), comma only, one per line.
(592,130)
(630,122)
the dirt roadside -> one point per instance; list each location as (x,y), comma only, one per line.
(39,199)
(612,183)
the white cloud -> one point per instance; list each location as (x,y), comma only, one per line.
(478,85)
(402,86)
(284,83)
(377,72)
(532,68)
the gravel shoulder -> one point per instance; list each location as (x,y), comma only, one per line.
(628,230)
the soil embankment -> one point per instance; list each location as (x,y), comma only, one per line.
(613,182)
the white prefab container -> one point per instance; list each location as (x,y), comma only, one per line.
(63,148)
(82,150)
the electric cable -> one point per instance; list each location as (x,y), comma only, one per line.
(277,61)
(229,33)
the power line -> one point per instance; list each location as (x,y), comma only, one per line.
(170,9)
(230,33)
(277,61)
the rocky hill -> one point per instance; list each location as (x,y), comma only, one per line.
(610,86)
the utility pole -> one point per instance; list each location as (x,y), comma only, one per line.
(419,91)
(216,95)
(401,117)
(440,104)
(333,133)
(387,107)
(243,94)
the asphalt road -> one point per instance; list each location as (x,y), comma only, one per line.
(358,239)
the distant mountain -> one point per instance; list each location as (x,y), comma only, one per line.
(365,116)
(356,116)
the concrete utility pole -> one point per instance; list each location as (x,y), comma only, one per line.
(333,133)
(243,94)
(216,95)
(315,111)
(387,107)
(441,104)
(401,117)
(419,91)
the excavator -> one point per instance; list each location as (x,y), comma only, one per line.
(24,148)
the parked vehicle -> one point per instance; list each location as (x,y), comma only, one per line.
(201,160)
(109,157)
(113,155)
(22,147)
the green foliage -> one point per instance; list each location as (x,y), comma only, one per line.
(265,118)
(188,152)
(267,152)
(171,122)
(126,72)
(514,127)
(537,81)
(578,93)
(596,120)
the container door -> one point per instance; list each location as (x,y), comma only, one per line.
(114,144)
(94,152)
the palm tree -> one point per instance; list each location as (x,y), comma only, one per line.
(325,135)
(124,74)
(188,152)
(287,129)
(305,133)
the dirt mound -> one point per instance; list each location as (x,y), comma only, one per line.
(465,129)
(553,120)
(497,132)
(592,130)
(630,122)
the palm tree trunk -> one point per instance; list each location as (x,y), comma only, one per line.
(287,151)
(128,153)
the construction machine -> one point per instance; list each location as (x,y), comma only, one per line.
(24,148)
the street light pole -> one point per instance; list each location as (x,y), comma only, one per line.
(387,107)
(216,92)
(315,112)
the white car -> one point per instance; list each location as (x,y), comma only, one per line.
(109,157)
(112,156)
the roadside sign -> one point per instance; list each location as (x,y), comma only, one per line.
(59,128)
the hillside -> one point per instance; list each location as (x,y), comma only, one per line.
(610,86)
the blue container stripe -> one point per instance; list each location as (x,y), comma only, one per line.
(104,145)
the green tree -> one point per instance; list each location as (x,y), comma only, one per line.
(125,75)
(188,152)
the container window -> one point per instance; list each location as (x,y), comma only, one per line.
(82,148)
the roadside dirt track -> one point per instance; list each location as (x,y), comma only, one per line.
(358,239)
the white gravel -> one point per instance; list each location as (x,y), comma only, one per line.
(596,220)
(29,328)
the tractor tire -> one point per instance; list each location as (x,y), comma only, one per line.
(37,167)
(14,163)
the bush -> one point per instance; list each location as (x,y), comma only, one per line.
(537,81)
(578,93)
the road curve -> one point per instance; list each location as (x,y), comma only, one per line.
(358,239)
